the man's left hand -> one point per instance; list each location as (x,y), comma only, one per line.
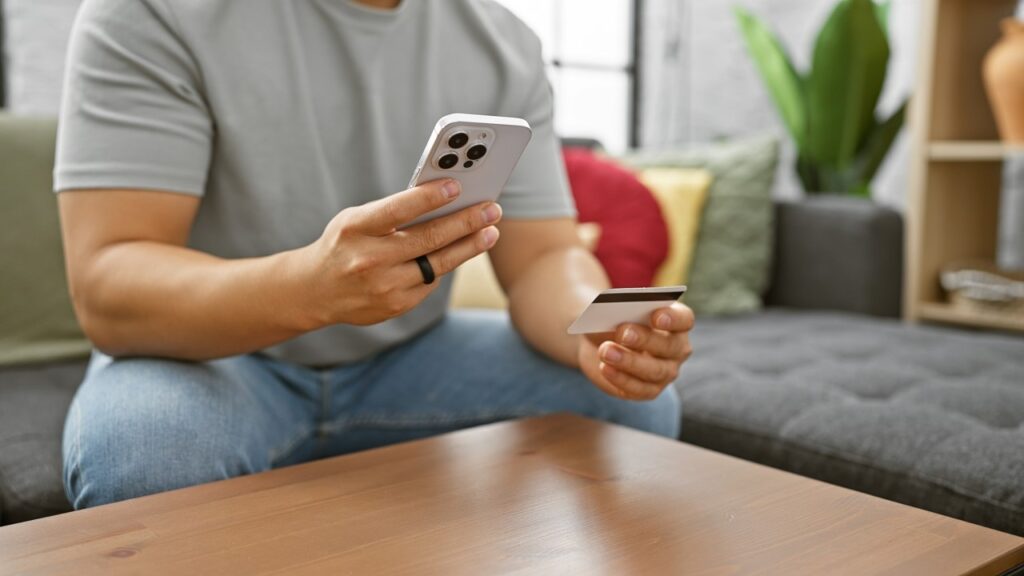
(637,362)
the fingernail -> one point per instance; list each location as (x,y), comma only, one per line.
(491,213)
(612,354)
(664,322)
(630,336)
(490,236)
(608,369)
(451,189)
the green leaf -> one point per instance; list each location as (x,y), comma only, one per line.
(780,76)
(878,143)
(861,189)
(850,59)
(882,9)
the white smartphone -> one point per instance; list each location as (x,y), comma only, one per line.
(478,151)
(624,305)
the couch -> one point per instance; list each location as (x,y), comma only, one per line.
(825,382)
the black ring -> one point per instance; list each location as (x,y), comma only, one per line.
(426,269)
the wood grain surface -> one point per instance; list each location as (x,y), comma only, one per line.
(554,495)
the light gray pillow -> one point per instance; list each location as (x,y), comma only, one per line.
(732,260)
(36,39)
(37,323)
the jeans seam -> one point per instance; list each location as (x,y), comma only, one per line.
(76,456)
(397,423)
(288,447)
(325,388)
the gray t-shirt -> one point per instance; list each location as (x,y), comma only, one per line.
(282,113)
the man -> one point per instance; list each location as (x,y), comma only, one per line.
(231,176)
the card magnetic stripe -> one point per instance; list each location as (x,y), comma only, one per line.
(639,297)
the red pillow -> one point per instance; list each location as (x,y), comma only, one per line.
(634,237)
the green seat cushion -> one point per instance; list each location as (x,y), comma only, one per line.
(37,322)
(731,265)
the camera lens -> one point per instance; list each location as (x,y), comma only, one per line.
(458,140)
(448,161)
(476,152)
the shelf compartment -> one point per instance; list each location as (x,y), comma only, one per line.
(971,151)
(965,31)
(946,313)
(957,220)
(957,161)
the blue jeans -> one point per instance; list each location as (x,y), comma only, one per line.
(140,426)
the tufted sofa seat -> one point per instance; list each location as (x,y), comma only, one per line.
(927,416)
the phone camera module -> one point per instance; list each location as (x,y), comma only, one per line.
(448,161)
(476,152)
(458,140)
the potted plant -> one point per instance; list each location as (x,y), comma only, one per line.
(829,110)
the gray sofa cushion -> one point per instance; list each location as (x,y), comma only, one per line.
(33,403)
(929,417)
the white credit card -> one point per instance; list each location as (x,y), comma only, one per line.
(624,305)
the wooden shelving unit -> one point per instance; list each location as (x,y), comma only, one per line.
(956,177)
(945,313)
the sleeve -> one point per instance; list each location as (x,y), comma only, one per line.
(132,115)
(538,187)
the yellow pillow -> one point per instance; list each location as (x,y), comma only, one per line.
(681,193)
(475,286)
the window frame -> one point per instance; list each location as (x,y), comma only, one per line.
(632,69)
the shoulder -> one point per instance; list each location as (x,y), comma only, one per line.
(137,12)
(172,15)
(502,25)
(127,23)
(506,20)
(136,34)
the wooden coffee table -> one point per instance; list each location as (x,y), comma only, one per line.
(555,495)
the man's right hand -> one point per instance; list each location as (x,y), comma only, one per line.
(363,268)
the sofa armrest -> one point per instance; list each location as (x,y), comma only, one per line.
(838,253)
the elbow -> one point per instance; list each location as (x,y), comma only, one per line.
(103,340)
(98,332)
(96,324)
(112,331)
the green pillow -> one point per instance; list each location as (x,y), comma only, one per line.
(732,260)
(36,320)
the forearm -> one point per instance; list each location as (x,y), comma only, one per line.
(550,294)
(154,299)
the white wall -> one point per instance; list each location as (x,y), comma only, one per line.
(700,85)
(36,39)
